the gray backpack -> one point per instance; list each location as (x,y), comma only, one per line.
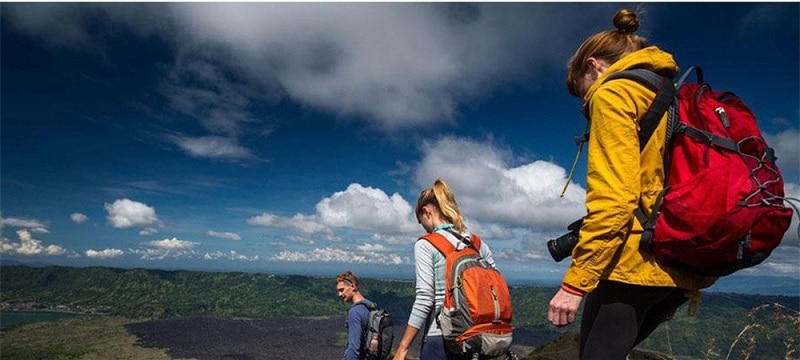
(378,336)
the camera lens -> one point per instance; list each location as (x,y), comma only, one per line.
(562,246)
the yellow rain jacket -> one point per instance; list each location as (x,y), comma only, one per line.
(618,178)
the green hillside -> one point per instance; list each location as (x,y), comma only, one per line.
(765,327)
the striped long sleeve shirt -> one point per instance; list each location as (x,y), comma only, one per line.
(430,280)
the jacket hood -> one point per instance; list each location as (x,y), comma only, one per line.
(651,58)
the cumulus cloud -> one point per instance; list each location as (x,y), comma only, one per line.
(28,246)
(495,195)
(357,207)
(490,188)
(78,218)
(224,235)
(173,243)
(367,208)
(104,254)
(126,213)
(361,256)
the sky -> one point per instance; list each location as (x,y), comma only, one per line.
(296,137)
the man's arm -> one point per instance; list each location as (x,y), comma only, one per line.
(354,328)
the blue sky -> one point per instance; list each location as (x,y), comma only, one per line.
(296,137)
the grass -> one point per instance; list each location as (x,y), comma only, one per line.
(96,338)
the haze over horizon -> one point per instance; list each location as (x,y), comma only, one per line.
(296,137)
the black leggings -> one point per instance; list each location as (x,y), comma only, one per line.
(618,316)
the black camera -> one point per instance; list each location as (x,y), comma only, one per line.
(561,247)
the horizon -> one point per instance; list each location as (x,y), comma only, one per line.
(731,284)
(297,136)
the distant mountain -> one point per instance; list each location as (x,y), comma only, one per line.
(763,285)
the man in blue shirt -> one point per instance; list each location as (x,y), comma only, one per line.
(357,316)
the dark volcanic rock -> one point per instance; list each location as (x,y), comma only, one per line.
(213,338)
(216,338)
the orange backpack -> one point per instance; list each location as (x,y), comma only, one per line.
(476,315)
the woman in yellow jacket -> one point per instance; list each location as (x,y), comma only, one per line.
(628,293)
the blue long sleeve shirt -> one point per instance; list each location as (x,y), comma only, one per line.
(357,319)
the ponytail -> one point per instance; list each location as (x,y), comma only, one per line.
(441,197)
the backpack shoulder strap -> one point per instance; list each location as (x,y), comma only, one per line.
(439,242)
(476,242)
(665,94)
(368,304)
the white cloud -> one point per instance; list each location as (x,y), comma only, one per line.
(224,235)
(231,255)
(173,243)
(494,196)
(167,248)
(303,223)
(372,248)
(162,253)
(357,207)
(792,235)
(212,147)
(28,246)
(393,65)
(78,218)
(32,225)
(367,208)
(787,149)
(782,262)
(147,231)
(104,254)
(125,213)
(489,189)
(361,256)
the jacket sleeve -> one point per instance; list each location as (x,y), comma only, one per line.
(612,184)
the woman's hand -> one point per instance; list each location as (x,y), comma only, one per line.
(400,354)
(563,308)
(405,342)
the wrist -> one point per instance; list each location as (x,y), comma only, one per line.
(572,290)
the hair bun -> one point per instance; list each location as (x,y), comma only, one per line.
(626,22)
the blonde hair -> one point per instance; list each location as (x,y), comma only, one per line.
(443,199)
(609,45)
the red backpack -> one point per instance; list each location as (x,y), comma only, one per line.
(476,315)
(722,208)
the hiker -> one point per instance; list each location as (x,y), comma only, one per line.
(628,294)
(437,212)
(357,316)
